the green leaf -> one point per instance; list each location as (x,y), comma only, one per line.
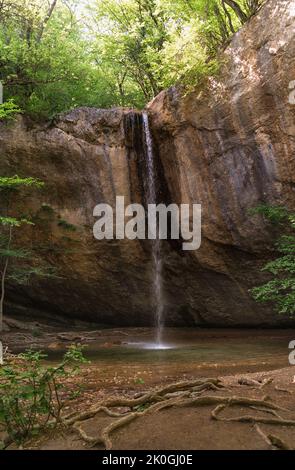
(13,222)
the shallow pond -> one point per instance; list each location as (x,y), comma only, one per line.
(187,346)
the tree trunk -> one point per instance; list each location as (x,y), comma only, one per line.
(238,10)
(46,19)
(228,17)
(222,24)
(121,88)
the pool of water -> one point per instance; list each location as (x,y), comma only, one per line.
(129,358)
(189,346)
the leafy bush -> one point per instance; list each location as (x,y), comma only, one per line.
(30,393)
(281,289)
(8,110)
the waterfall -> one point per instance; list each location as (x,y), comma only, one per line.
(156,244)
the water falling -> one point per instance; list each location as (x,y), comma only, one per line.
(156,244)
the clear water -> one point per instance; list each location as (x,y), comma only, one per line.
(156,244)
(190,349)
(211,352)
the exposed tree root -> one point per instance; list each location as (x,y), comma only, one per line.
(284,390)
(156,395)
(253,419)
(266,382)
(278,442)
(104,438)
(150,402)
(277,420)
(255,383)
(208,400)
(271,440)
(263,435)
(116,425)
(265,410)
(181,394)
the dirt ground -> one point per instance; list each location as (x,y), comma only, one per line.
(192,428)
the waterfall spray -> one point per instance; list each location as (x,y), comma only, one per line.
(156,244)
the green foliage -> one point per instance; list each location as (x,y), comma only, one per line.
(10,253)
(47,208)
(66,225)
(23,275)
(8,110)
(58,55)
(154,44)
(13,222)
(139,381)
(15,182)
(280,290)
(46,65)
(32,395)
(274,214)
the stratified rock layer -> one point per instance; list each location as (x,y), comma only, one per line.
(83,160)
(229,146)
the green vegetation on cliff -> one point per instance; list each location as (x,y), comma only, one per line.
(281,288)
(56,55)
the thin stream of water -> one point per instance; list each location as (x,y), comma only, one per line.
(156,244)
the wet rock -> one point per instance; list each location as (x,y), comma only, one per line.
(54,346)
(13,323)
(70,337)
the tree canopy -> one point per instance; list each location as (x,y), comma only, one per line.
(59,54)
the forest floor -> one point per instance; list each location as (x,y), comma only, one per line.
(192,427)
(184,418)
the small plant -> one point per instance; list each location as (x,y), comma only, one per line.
(66,225)
(32,395)
(139,381)
(47,208)
(36,333)
(8,110)
(74,394)
(275,214)
(141,408)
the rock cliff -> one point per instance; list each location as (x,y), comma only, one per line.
(229,146)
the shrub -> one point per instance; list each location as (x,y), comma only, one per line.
(281,288)
(8,110)
(30,393)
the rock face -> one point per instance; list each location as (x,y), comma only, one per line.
(229,146)
(84,160)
